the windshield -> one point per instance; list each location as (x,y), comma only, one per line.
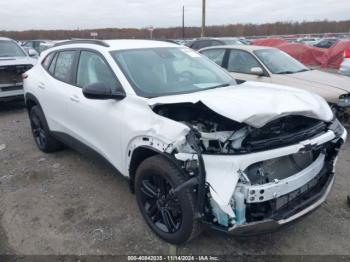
(10,49)
(164,71)
(279,62)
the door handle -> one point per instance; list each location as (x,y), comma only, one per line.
(41,85)
(74,98)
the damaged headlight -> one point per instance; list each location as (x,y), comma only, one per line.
(344,100)
(336,127)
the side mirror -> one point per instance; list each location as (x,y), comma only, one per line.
(32,52)
(101,91)
(257,71)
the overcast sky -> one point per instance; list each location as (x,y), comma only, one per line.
(73,14)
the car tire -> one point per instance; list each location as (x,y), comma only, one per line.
(41,132)
(172,219)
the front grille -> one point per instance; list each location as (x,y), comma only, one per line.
(282,132)
(292,203)
(11,88)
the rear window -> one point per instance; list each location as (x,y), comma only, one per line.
(64,65)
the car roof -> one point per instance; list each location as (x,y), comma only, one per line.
(248,48)
(37,40)
(227,38)
(6,39)
(135,44)
(114,45)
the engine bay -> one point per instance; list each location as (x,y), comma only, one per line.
(220,135)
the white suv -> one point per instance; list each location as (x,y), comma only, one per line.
(199,151)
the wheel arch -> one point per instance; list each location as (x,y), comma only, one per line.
(30,101)
(139,154)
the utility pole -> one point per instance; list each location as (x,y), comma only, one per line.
(183,22)
(203,19)
(151,29)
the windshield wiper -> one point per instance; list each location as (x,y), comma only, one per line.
(303,70)
(222,85)
(285,72)
(292,72)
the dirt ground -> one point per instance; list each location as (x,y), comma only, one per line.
(64,203)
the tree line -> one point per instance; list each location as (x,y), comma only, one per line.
(278,28)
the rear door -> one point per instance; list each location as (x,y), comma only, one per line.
(239,63)
(55,89)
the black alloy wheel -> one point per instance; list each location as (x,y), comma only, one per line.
(162,207)
(171,216)
(41,132)
(38,131)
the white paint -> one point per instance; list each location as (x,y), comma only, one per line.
(249,103)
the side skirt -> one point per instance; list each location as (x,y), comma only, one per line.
(83,149)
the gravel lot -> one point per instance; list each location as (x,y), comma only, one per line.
(65,203)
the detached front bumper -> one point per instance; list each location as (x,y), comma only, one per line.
(272,225)
(295,198)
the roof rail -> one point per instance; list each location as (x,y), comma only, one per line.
(83,41)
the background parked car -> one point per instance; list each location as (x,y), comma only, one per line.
(245,41)
(267,64)
(326,42)
(35,44)
(345,65)
(206,42)
(307,40)
(13,62)
(31,52)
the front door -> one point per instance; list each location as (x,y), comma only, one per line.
(97,123)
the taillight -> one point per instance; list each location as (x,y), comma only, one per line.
(24,76)
(347,53)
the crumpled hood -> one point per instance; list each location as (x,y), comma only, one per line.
(9,61)
(255,103)
(323,79)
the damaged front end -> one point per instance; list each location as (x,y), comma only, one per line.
(11,83)
(248,179)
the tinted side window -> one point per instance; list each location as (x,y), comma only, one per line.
(195,45)
(46,62)
(241,62)
(64,65)
(200,44)
(93,69)
(216,55)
